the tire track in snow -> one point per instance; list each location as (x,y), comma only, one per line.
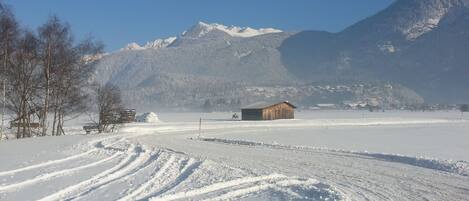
(109,175)
(458,167)
(282,186)
(85,186)
(142,190)
(252,185)
(355,187)
(58,161)
(218,186)
(46,163)
(142,158)
(152,160)
(165,179)
(52,175)
(189,167)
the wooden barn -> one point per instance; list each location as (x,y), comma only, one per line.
(268,111)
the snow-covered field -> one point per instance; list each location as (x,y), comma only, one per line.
(323,155)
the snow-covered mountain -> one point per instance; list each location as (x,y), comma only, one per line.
(206,61)
(406,19)
(420,44)
(200,30)
(421,47)
(214,53)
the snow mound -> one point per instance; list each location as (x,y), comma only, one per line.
(148,117)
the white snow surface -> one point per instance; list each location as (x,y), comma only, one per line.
(332,155)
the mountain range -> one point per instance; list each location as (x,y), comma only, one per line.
(422,45)
(418,49)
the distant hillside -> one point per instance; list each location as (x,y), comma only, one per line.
(420,44)
(418,47)
(208,57)
(214,54)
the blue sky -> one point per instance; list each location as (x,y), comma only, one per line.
(118,22)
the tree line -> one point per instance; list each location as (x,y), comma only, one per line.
(45,74)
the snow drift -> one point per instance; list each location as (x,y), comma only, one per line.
(148,117)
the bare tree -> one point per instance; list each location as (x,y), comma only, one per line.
(8,35)
(54,37)
(45,73)
(22,74)
(69,95)
(65,72)
(109,104)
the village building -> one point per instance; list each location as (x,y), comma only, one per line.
(268,111)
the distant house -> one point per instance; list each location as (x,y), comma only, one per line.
(268,111)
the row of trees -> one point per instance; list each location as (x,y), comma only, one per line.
(45,76)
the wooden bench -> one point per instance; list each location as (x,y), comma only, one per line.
(90,128)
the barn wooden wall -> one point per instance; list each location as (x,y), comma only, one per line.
(251,114)
(280,111)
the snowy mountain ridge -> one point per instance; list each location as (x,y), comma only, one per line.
(426,17)
(156,44)
(407,20)
(202,28)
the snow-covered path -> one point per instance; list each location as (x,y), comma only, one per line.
(125,170)
(165,161)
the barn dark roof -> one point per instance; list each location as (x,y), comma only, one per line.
(264,104)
